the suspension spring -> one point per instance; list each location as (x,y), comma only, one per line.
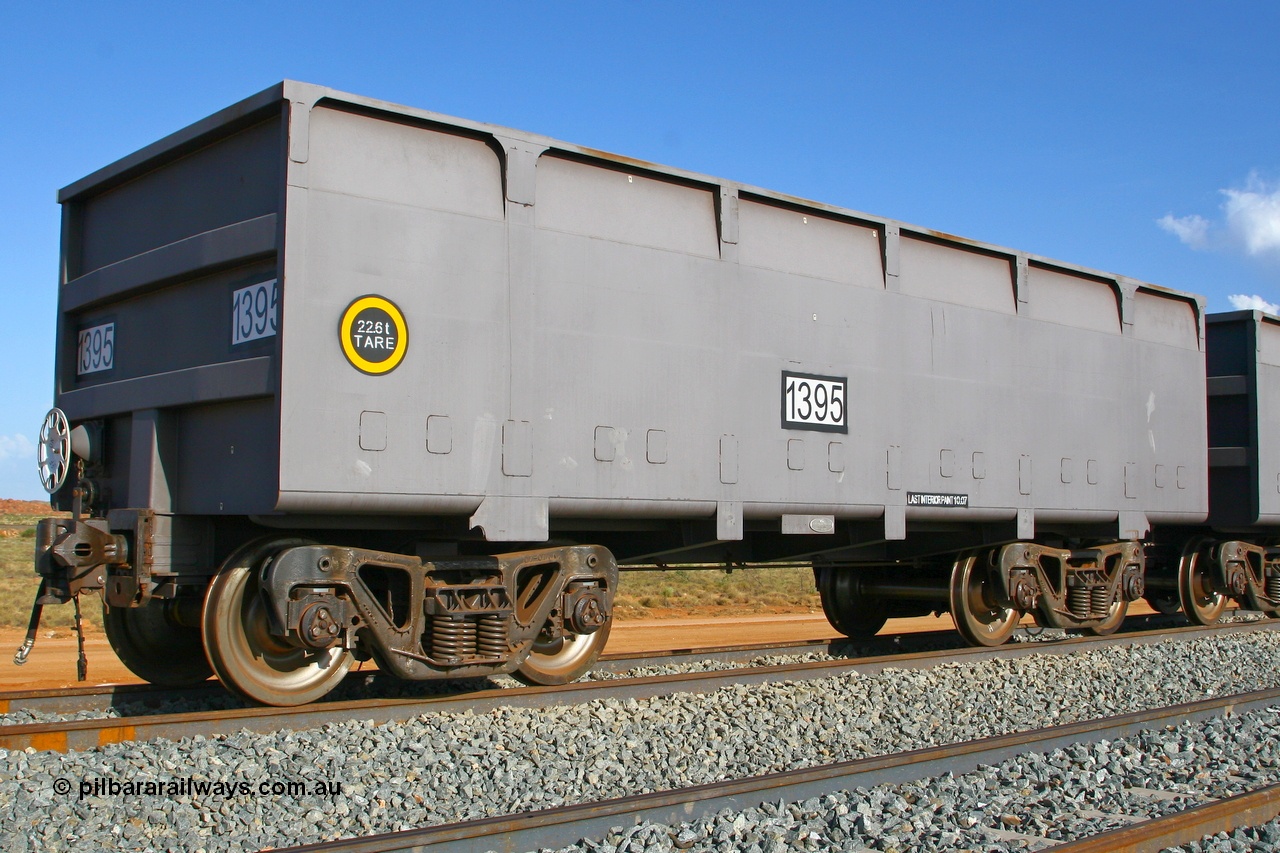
(1079,601)
(492,641)
(1101,602)
(1273,586)
(453,638)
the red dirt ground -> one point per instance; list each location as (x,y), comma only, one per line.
(9,506)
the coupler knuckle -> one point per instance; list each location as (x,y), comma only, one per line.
(72,555)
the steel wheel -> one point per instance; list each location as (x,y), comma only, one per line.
(564,659)
(979,618)
(849,611)
(244,654)
(154,646)
(1200,601)
(1115,618)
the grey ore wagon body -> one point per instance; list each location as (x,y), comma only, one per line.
(318,328)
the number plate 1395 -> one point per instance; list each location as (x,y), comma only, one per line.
(814,402)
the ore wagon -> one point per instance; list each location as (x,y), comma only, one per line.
(342,379)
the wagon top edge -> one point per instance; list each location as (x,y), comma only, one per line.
(1247,315)
(271,100)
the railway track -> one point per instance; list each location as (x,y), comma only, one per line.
(134,699)
(560,827)
(81,734)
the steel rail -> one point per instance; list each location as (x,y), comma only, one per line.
(1174,830)
(72,735)
(559,827)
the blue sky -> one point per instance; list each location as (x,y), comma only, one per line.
(1137,138)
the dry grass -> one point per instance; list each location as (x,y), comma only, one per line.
(703,592)
(18,579)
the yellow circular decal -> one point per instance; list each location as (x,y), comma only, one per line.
(374,335)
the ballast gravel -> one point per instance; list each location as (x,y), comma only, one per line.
(354,778)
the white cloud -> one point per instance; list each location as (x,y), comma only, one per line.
(1240,302)
(1250,222)
(1192,230)
(1253,217)
(16,446)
